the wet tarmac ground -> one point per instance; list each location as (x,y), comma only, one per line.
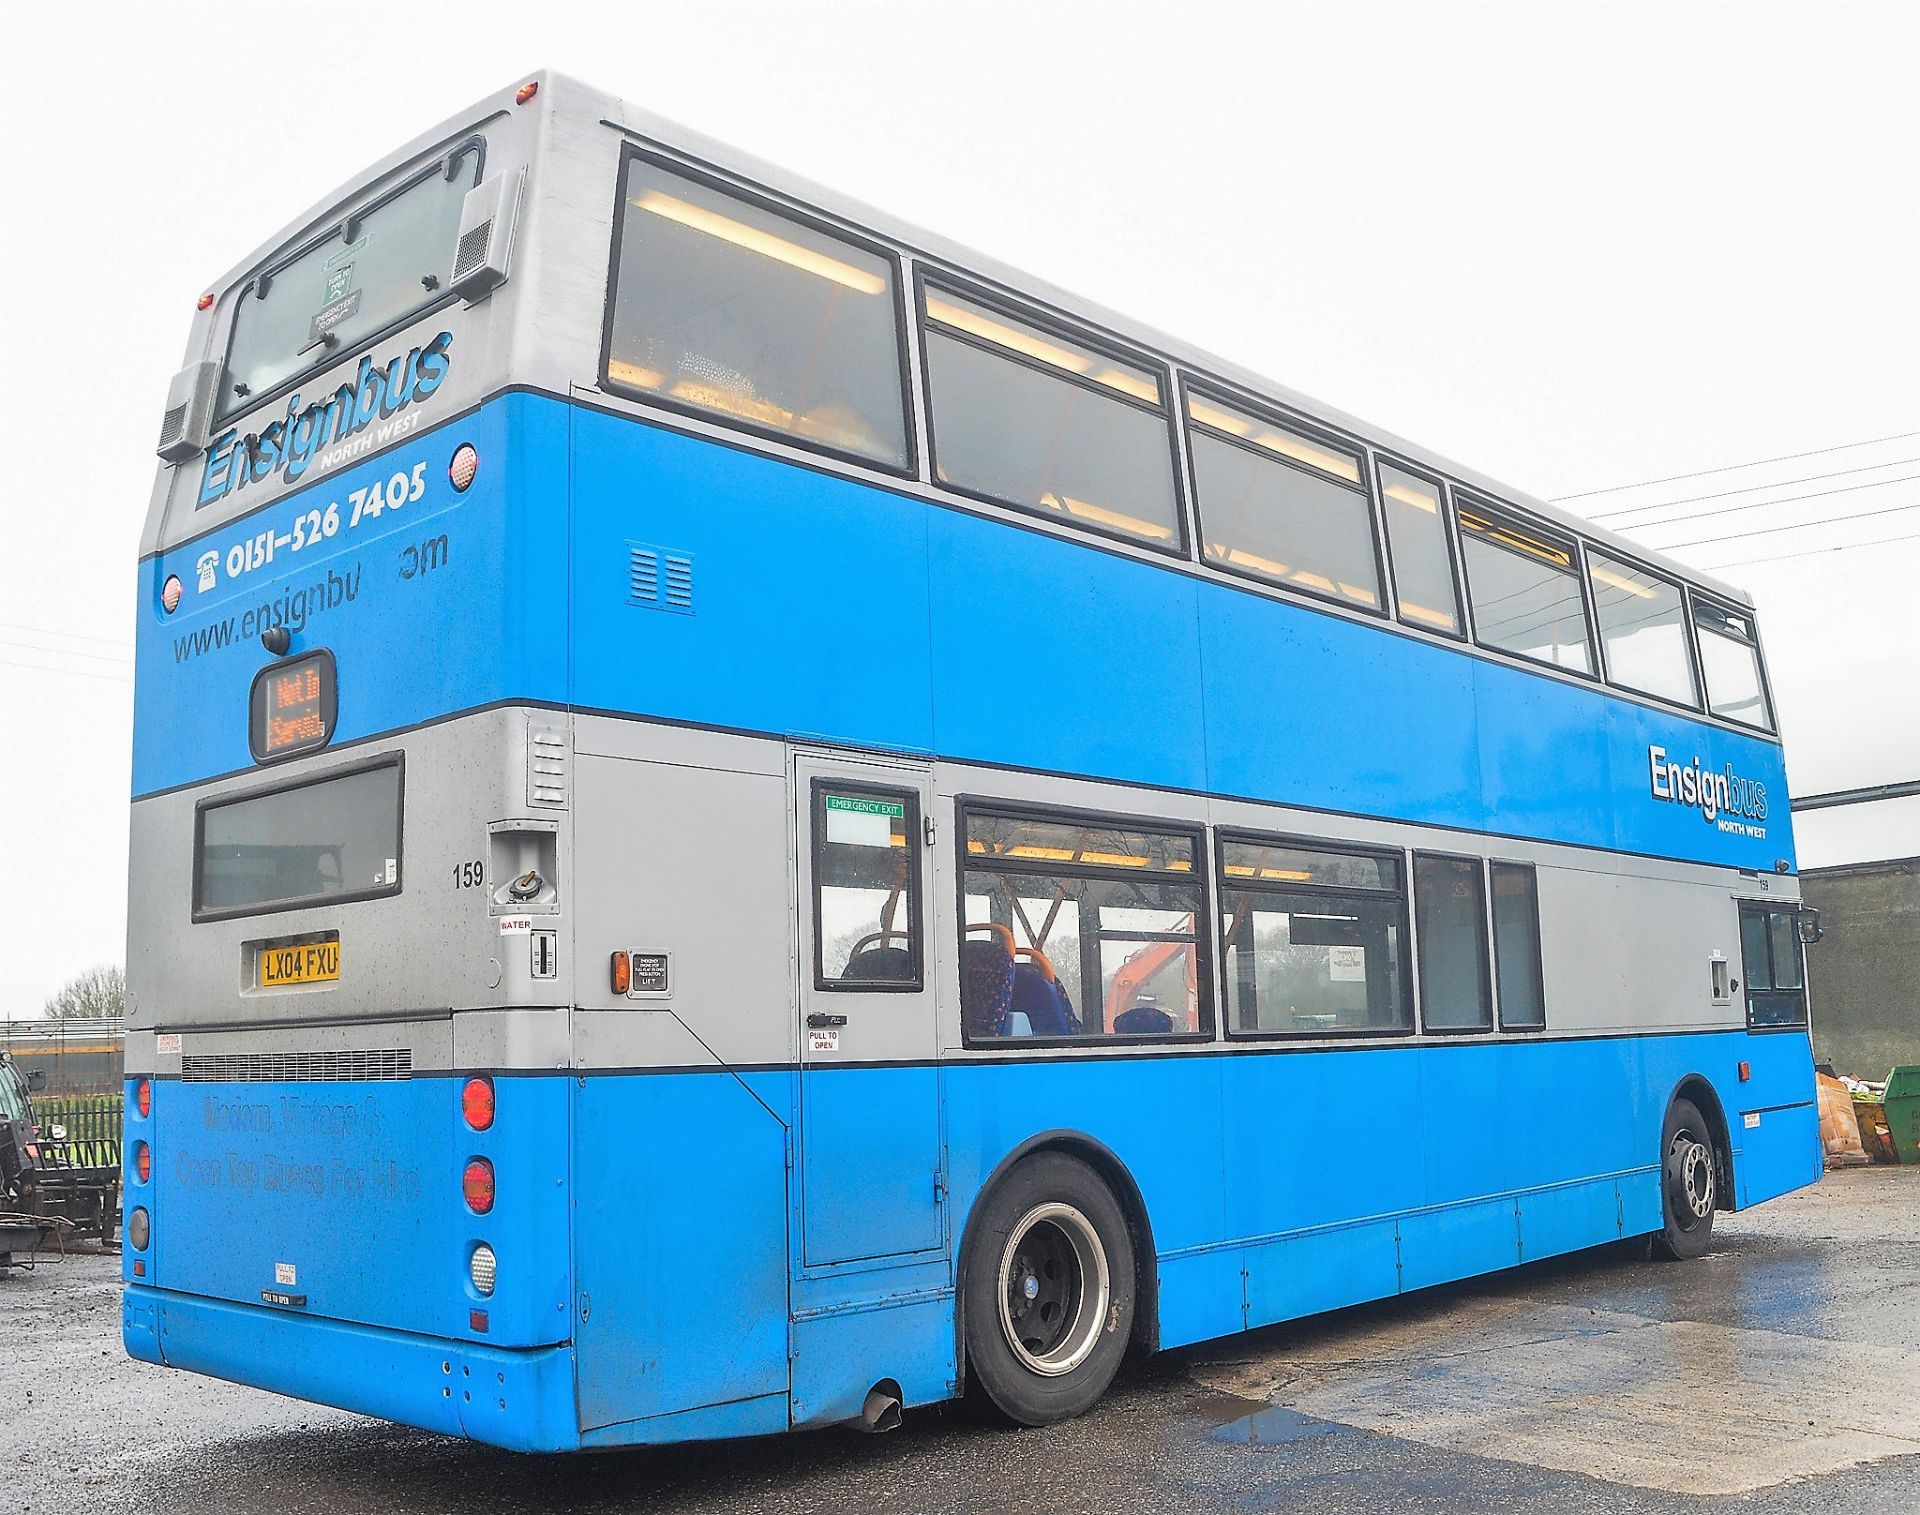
(1780,1373)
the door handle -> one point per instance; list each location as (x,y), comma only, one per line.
(819,1020)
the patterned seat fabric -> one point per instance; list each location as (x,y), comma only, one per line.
(1043,1002)
(986,987)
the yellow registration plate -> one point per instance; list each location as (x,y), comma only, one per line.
(307,963)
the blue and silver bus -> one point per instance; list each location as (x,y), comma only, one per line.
(746,819)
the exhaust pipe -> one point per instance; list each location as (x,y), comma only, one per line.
(881,1412)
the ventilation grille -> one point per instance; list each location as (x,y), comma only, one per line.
(546,768)
(472,250)
(172,424)
(390,1063)
(659,579)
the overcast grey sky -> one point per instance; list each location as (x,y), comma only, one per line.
(1571,245)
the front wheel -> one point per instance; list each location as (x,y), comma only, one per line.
(1689,1184)
(1048,1290)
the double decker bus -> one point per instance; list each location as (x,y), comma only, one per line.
(744,819)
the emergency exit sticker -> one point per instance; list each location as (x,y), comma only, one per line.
(858,821)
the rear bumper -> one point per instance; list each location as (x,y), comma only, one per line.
(519,1399)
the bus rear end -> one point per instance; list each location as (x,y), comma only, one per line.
(348,1037)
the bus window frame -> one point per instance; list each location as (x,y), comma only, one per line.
(1489,992)
(1767,908)
(1443,489)
(761,198)
(396,759)
(1638,565)
(1409,967)
(968,287)
(1771,726)
(818,789)
(475,142)
(1205,988)
(1231,396)
(1553,535)
(1532,869)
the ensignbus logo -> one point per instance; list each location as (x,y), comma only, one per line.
(1725,798)
(293,443)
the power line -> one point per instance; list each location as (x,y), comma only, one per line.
(120,661)
(1761,531)
(74,673)
(72,636)
(1808,552)
(1785,499)
(1785,457)
(1811,478)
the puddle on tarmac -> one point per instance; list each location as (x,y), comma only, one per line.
(1274,1426)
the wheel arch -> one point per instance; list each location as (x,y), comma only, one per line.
(1126,1192)
(1698,1089)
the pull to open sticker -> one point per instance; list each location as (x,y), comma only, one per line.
(823,1041)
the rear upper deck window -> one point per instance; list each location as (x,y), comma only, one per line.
(1048,423)
(723,306)
(383,264)
(1524,590)
(326,840)
(1279,505)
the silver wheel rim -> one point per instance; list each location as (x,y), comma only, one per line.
(1054,1288)
(1690,1178)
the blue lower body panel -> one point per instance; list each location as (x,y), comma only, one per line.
(521,1400)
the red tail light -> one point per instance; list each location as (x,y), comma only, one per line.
(205,302)
(526,92)
(462,466)
(477,1185)
(476,1103)
(142,1161)
(143,1097)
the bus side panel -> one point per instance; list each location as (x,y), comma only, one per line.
(1773,1119)
(680,1244)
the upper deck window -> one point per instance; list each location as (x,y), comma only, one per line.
(1730,657)
(1282,506)
(1049,424)
(726,307)
(386,262)
(1643,631)
(1423,586)
(1525,592)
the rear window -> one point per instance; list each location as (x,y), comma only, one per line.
(380,265)
(327,840)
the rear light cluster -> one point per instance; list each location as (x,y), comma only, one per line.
(477,1189)
(138,1226)
(461,468)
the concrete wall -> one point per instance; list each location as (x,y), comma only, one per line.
(1865,971)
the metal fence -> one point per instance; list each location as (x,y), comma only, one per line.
(91,1123)
(76,1056)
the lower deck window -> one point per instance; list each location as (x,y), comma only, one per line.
(866,883)
(1080,929)
(1313,940)
(325,840)
(1451,917)
(1516,947)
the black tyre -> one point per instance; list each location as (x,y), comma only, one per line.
(1689,1184)
(1048,1290)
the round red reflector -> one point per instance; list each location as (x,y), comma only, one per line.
(476,1103)
(526,92)
(205,302)
(170,593)
(463,466)
(143,1097)
(142,1161)
(477,1185)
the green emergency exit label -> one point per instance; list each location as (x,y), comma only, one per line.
(892,809)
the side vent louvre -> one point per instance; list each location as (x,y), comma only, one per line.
(546,767)
(171,425)
(471,251)
(659,578)
(388,1064)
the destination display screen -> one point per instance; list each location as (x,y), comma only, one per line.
(293,707)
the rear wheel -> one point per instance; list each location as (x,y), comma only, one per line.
(1049,1290)
(1689,1184)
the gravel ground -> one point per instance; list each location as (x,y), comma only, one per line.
(1594,1383)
